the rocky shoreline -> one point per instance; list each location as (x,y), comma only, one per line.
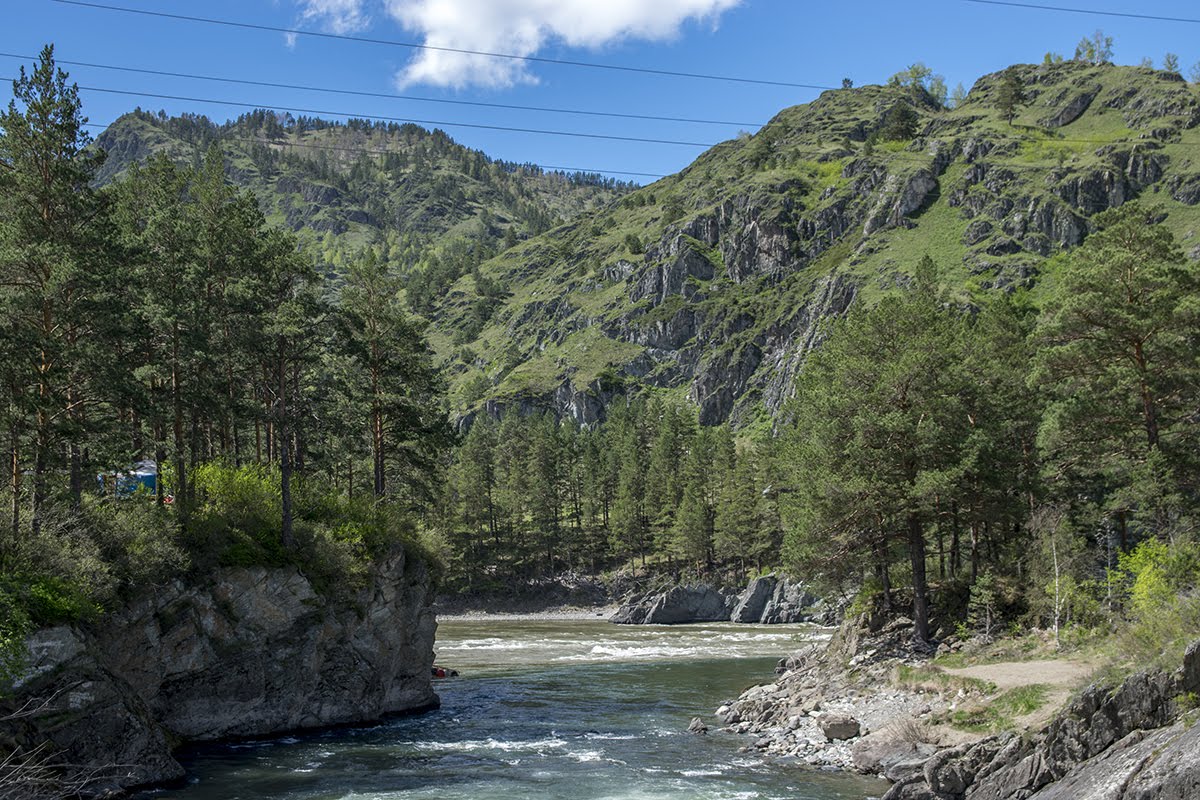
(837,706)
(627,600)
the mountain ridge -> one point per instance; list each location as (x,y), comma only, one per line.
(712,284)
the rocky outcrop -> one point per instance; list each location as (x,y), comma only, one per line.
(768,600)
(697,603)
(251,652)
(772,600)
(1073,108)
(1108,744)
(681,267)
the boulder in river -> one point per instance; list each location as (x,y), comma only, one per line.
(698,603)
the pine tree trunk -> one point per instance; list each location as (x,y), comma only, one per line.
(38,495)
(179,490)
(286,535)
(916,550)
(15,477)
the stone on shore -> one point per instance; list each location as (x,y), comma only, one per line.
(839,726)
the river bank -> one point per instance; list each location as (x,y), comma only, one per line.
(244,652)
(868,702)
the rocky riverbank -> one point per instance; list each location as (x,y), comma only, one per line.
(251,652)
(867,702)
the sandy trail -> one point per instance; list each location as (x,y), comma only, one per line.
(1060,676)
(1058,673)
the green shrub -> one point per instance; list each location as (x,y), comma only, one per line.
(1162,583)
(14,626)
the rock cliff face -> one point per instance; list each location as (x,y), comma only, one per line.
(718,282)
(251,652)
(767,600)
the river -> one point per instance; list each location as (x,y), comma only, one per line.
(572,709)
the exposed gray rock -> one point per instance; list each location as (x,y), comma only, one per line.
(252,652)
(671,277)
(1186,189)
(900,198)
(679,604)
(790,602)
(1173,772)
(1120,744)
(1073,109)
(837,726)
(751,602)
(882,753)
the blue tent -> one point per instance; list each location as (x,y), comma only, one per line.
(141,476)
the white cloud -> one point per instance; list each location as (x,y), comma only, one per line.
(335,16)
(523,27)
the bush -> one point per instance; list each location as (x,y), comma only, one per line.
(140,540)
(1162,584)
(14,625)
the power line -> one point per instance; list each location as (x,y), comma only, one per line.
(383,118)
(1040,7)
(373,152)
(417,46)
(246,82)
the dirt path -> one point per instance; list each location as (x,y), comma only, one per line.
(1059,673)
(1059,676)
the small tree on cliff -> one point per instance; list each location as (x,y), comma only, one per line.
(1010,95)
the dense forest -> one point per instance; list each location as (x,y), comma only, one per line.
(1021,455)
(163,319)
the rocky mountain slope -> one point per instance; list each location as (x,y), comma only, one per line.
(714,283)
(251,652)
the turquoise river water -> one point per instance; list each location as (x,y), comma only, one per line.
(579,710)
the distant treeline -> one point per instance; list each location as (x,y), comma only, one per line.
(529,497)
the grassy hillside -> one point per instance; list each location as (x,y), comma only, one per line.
(713,283)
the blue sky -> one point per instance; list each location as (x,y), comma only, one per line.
(794,41)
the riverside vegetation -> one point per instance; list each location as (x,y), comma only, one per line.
(934,359)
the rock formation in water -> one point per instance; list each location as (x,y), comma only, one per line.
(250,652)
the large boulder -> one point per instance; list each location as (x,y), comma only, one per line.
(839,726)
(700,603)
(753,601)
(885,753)
(679,604)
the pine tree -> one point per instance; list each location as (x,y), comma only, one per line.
(878,416)
(51,257)
(396,379)
(1117,355)
(1010,95)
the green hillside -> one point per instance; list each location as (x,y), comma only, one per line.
(400,187)
(713,283)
